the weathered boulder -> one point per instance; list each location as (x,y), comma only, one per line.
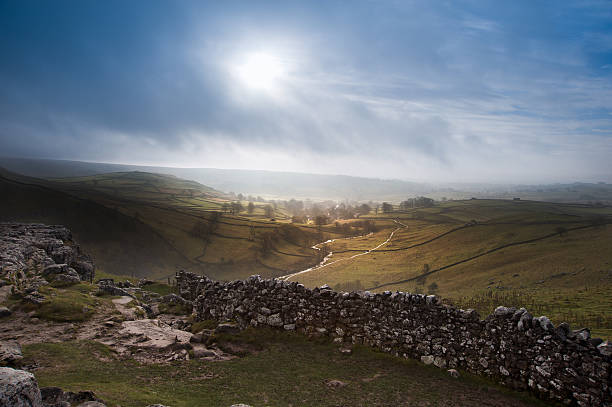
(56,397)
(18,388)
(151,333)
(605,348)
(53,269)
(66,279)
(5,312)
(92,404)
(107,287)
(10,353)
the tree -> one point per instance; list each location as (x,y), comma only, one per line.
(269,211)
(387,207)
(236,208)
(321,220)
(364,209)
(251,208)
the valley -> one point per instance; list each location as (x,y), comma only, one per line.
(476,253)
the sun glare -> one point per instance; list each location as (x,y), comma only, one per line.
(260,71)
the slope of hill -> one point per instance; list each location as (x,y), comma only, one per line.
(553,258)
(185,216)
(118,243)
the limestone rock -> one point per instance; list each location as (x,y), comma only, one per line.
(334,383)
(5,312)
(151,333)
(10,352)
(275,320)
(605,348)
(18,389)
(428,359)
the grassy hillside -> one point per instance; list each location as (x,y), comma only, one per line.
(553,258)
(118,243)
(182,216)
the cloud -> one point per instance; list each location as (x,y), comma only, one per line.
(468,92)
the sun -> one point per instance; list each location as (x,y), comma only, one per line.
(260,71)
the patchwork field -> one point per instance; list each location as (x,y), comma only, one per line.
(553,258)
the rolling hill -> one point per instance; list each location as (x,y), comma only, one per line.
(183,216)
(552,258)
(286,185)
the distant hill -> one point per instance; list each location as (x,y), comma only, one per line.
(270,184)
(286,185)
(119,244)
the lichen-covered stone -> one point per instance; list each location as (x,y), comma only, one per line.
(18,389)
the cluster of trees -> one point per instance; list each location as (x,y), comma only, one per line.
(325,212)
(235,207)
(418,202)
(362,227)
(250,198)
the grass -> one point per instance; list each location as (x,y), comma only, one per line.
(176,309)
(546,276)
(287,370)
(206,324)
(70,304)
(160,288)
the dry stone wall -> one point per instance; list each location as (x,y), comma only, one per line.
(510,345)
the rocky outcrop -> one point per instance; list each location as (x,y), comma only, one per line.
(56,397)
(510,346)
(18,389)
(10,353)
(32,254)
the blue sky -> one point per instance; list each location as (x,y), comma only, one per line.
(461,91)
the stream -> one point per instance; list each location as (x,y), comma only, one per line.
(325,262)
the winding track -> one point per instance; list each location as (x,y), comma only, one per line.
(325,263)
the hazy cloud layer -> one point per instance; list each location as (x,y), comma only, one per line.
(455,91)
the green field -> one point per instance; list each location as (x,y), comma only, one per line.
(283,369)
(552,258)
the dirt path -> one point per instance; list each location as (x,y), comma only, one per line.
(325,262)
